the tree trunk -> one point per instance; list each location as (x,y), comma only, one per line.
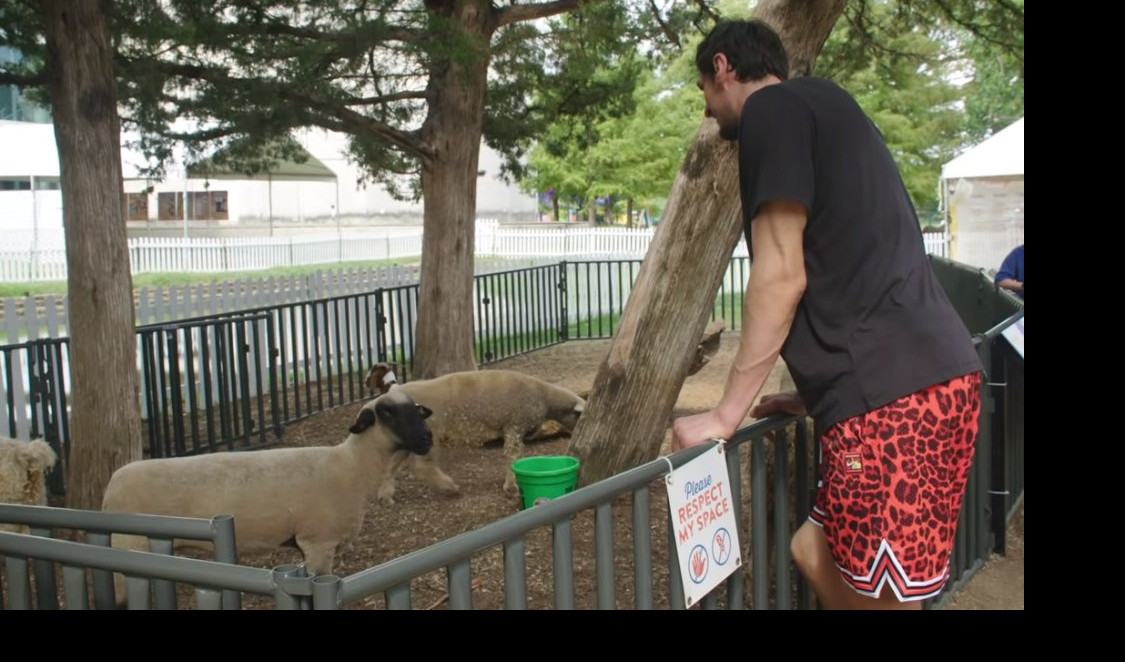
(105,420)
(629,408)
(803,26)
(449,188)
(555,205)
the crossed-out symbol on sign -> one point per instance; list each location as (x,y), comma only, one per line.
(721,546)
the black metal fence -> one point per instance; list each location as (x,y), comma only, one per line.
(237,380)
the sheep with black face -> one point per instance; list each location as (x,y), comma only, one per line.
(313,498)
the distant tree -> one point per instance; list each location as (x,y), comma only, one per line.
(635,157)
(994,97)
(591,81)
(895,57)
(898,72)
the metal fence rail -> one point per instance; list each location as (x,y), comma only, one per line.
(80,560)
(763,534)
(47,545)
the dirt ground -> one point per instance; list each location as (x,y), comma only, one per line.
(421,516)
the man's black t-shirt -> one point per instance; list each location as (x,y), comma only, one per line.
(874,324)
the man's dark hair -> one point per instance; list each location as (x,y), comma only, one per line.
(752,47)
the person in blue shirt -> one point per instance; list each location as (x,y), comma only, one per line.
(1010,276)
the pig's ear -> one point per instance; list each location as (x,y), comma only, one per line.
(365,420)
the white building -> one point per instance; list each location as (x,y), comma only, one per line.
(321,192)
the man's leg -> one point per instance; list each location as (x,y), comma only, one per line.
(812,557)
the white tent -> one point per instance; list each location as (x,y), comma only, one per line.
(982,193)
(1001,154)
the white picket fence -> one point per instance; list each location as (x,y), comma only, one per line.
(561,243)
(38,317)
(936,243)
(219,255)
(24,260)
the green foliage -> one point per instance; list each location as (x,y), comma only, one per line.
(895,57)
(590,80)
(994,97)
(635,155)
(893,68)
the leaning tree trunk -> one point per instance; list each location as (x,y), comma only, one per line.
(639,380)
(449,190)
(105,421)
(636,387)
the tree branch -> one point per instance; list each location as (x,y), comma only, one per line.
(408,141)
(981,31)
(519,13)
(204,135)
(7,78)
(669,34)
(398,96)
(282,29)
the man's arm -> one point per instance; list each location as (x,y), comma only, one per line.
(775,287)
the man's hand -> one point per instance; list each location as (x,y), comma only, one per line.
(788,402)
(698,428)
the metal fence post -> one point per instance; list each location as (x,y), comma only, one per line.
(564,332)
(986,447)
(998,489)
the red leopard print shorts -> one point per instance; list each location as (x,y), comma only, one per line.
(891,487)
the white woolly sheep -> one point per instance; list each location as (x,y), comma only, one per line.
(23,470)
(477,406)
(314,498)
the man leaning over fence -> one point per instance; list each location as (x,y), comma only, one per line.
(843,290)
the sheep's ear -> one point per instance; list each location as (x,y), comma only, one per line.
(365,420)
(425,411)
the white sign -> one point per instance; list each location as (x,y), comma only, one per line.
(1014,333)
(703,521)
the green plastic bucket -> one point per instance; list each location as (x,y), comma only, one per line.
(545,477)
